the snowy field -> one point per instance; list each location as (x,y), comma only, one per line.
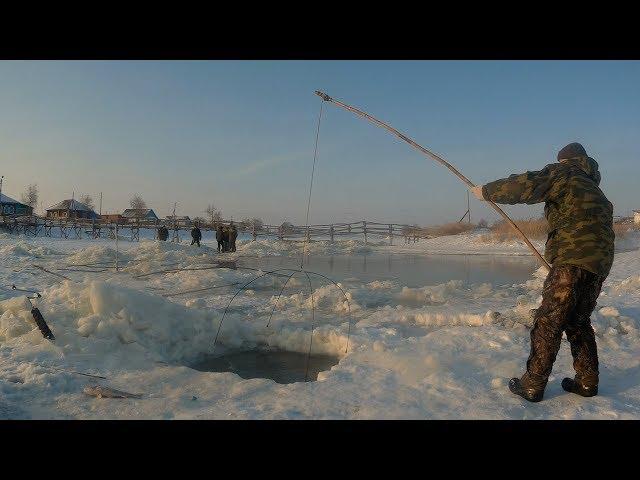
(412,348)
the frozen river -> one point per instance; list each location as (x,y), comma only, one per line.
(407,269)
(426,327)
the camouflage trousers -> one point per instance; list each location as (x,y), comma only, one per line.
(569,297)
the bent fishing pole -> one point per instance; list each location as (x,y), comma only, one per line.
(441,161)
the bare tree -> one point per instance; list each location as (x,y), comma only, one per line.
(88,201)
(30,195)
(212,212)
(287,227)
(248,224)
(259,224)
(137,201)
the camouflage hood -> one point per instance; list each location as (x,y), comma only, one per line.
(580,216)
(587,164)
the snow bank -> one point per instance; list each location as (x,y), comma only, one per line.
(26,249)
(97,254)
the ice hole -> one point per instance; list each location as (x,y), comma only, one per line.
(281,366)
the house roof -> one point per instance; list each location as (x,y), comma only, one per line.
(138,212)
(5,199)
(71,205)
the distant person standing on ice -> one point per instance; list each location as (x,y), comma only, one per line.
(196,235)
(219,238)
(580,248)
(225,239)
(233,235)
(163,233)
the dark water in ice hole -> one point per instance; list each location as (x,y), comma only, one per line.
(278,365)
(407,270)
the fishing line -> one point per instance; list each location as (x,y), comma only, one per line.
(313,169)
(275,304)
(313,315)
(301,269)
(13,287)
(350,318)
(49,271)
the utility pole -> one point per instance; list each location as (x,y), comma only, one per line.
(100,203)
(1,207)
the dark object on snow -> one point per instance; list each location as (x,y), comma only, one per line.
(572,150)
(233,235)
(528,393)
(573,386)
(225,239)
(35,313)
(219,238)
(196,235)
(42,325)
(163,233)
(569,297)
(107,392)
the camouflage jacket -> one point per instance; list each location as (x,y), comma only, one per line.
(580,216)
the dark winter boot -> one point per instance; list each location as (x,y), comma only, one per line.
(528,388)
(573,386)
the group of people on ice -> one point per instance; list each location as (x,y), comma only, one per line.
(226,236)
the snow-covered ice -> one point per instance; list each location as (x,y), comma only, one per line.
(434,350)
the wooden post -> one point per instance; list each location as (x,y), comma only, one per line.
(116,246)
(390,234)
(331,233)
(254,234)
(364,229)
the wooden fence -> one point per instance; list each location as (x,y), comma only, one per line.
(75,228)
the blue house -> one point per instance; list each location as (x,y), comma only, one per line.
(9,206)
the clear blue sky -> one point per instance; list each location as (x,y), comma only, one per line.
(240,133)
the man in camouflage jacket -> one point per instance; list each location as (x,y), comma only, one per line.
(580,248)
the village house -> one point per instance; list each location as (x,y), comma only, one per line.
(9,206)
(178,220)
(112,218)
(71,209)
(132,215)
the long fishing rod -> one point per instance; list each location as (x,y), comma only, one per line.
(441,161)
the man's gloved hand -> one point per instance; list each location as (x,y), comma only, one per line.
(477,191)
